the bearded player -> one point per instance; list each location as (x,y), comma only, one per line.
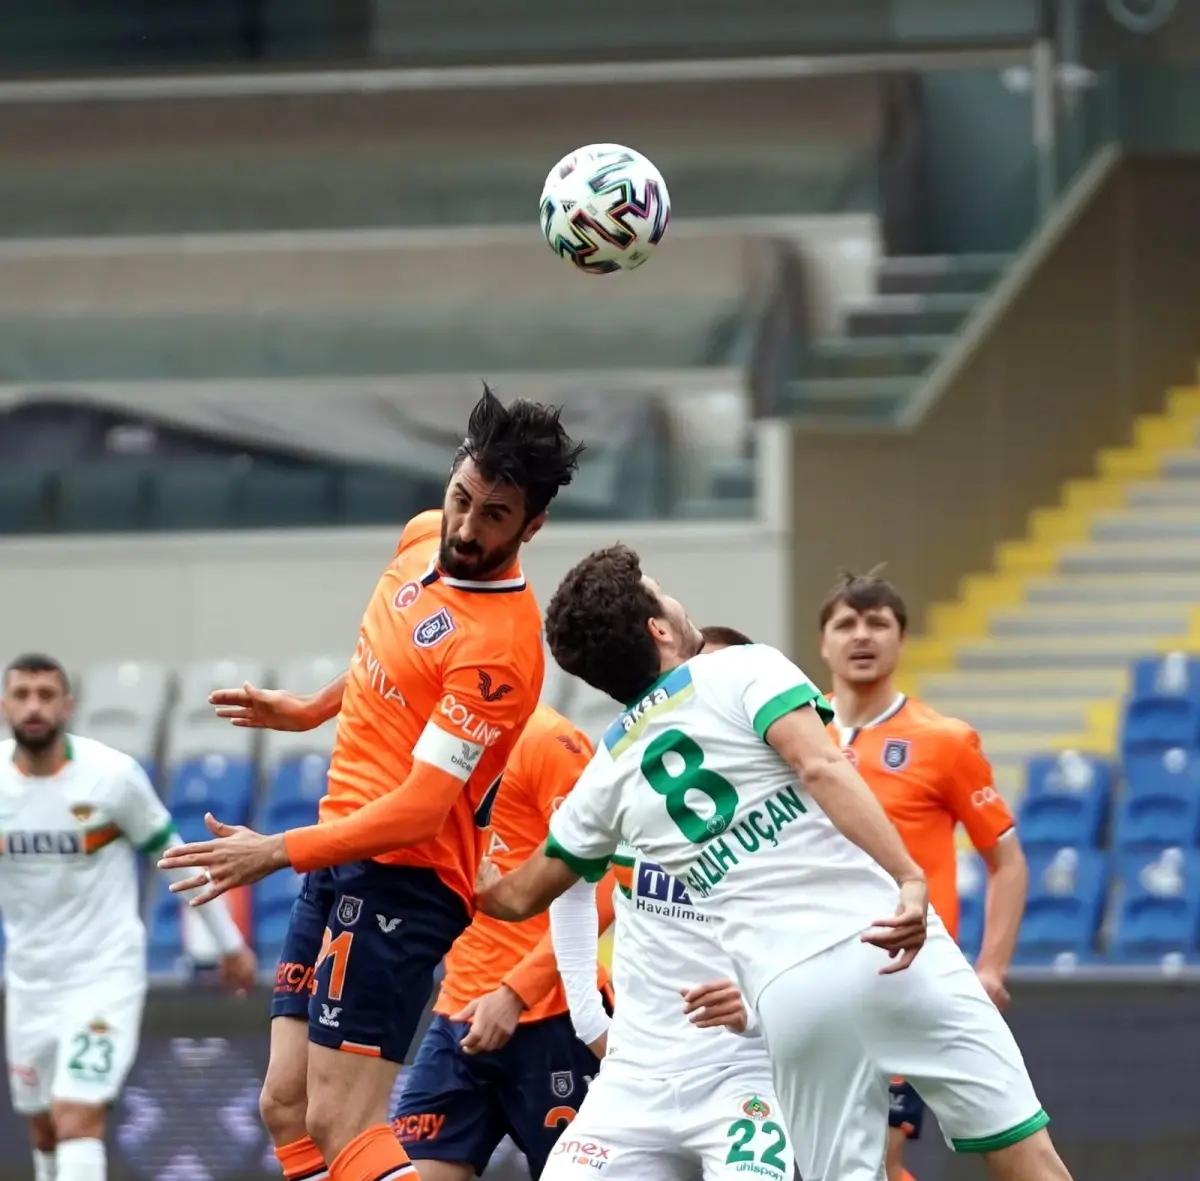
(930,775)
(446,673)
(74,816)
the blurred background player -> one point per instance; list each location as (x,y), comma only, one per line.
(680,1096)
(930,775)
(74,814)
(501,1056)
(447,671)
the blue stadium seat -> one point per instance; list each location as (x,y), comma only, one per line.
(293,792)
(1154,820)
(972,894)
(273,898)
(1174,675)
(212,783)
(1159,723)
(1159,912)
(1163,772)
(1065,802)
(164,943)
(1067,891)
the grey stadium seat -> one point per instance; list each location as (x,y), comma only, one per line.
(193,728)
(303,675)
(123,704)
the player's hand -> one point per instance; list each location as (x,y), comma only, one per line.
(239,857)
(487,875)
(239,971)
(493,1019)
(263,709)
(903,934)
(718,1003)
(994,986)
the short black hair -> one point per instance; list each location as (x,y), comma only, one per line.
(523,444)
(37,662)
(864,592)
(725,637)
(596,624)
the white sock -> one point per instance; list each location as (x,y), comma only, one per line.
(43,1166)
(81,1160)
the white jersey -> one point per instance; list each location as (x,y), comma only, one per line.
(685,776)
(68,869)
(663,944)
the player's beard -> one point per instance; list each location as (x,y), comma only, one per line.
(36,744)
(470,561)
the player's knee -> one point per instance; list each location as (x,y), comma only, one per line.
(78,1121)
(41,1132)
(283,1105)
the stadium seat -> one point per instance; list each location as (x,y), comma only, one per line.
(1065,802)
(293,792)
(1067,890)
(210,783)
(193,729)
(273,898)
(1173,675)
(1159,913)
(1160,723)
(300,676)
(972,893)
(123,704)
(1163,772)
(164,943)
(1155,820)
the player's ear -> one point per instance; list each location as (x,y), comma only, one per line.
(68,707)
(533,525)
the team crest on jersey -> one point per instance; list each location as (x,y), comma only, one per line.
(896,753)
(433,629)
(82,812)
(348,910)
(562,1083)
(756,1108)
(407,595)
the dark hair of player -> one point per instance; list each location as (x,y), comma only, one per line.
(864,592)
(37,662)
(725,637)
(523,444)
(596,624)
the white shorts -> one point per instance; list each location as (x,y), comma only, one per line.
(838,1032)
(76,1046)
(719,1124)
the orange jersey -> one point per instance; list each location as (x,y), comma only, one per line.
(930,774)
(543,768)
(446,672)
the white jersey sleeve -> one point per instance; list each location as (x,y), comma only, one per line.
(574,929)
(768,685)
(585,830)
(141,815)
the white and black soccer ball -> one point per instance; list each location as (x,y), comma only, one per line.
(604,208)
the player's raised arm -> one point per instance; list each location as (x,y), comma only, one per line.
(149,827)
(277,709)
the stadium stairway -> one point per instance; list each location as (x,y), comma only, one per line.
(1036,654)
(891,338)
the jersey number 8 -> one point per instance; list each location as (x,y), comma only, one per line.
(673,786)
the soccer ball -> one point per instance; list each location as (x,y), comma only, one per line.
(604,208)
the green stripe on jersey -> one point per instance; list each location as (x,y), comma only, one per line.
(159,840)
(1006,1139)
(591,869)
(787,701)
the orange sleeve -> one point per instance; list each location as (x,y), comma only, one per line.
(406,816)
(537,974)
(972,797)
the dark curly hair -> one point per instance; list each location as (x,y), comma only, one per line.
(523,444)
(596,624)
(863,592)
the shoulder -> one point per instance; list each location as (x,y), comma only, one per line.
(104,759)
(421,528)
(951,734)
